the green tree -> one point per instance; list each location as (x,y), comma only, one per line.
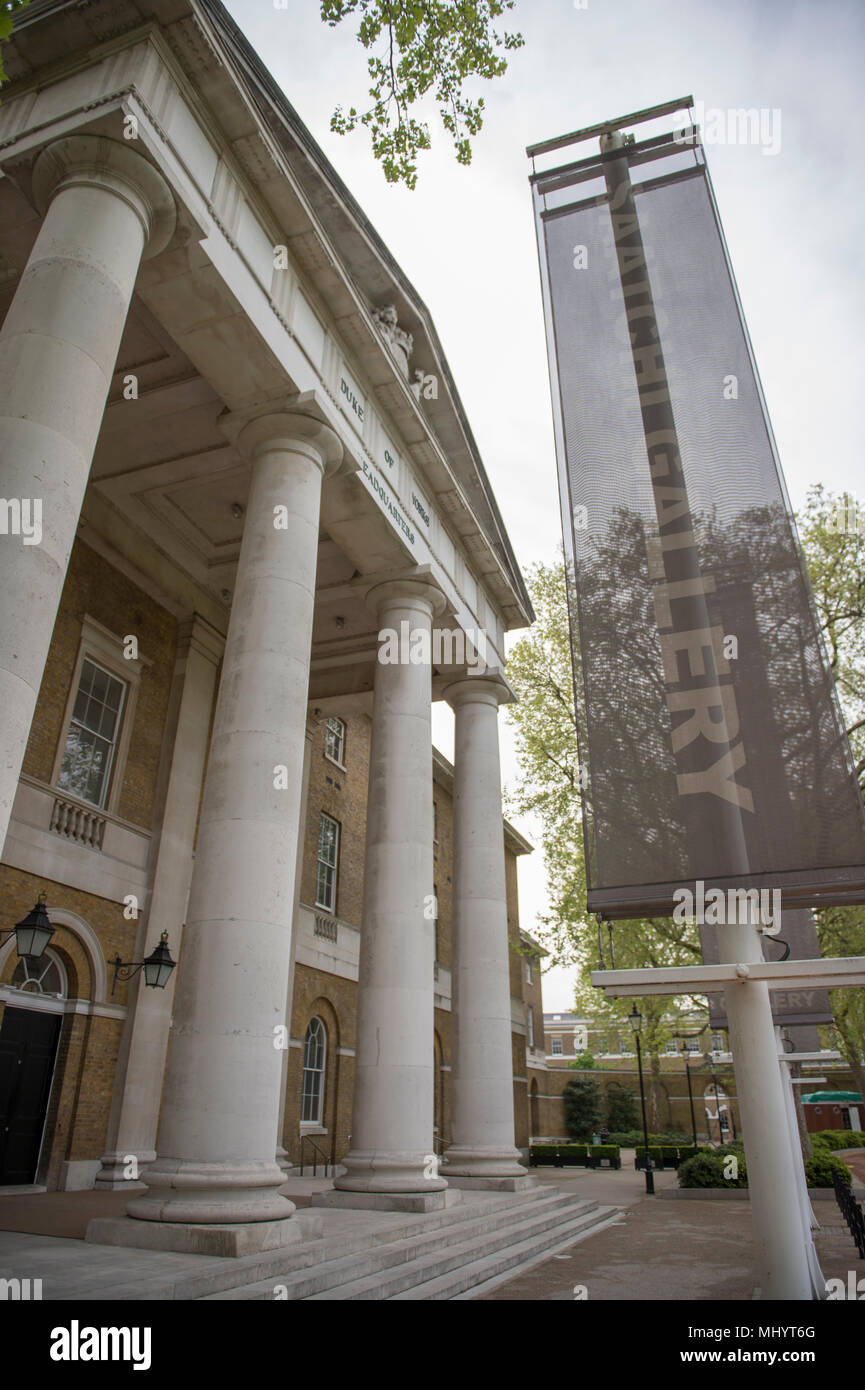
(582,1098)
(547,787)
(584,1062)
(8,11)
(622,1111)
(419,48)
(832,528)
(549,780)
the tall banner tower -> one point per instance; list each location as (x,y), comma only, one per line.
(717,781)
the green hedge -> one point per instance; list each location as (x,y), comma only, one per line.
(599,1153)
(706,1169)
(820,1168)
(634,1138)
(656,1153)
(840,1138)
(574,1155)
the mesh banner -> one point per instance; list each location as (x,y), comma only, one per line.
(711,742)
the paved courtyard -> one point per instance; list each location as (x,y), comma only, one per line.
(656,1248)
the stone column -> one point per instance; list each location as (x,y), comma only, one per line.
(392,1123)
(133,1128)
(218,1131)
(482,1153)
(106,208)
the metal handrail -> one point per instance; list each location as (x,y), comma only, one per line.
(308,1139)
(851,1211)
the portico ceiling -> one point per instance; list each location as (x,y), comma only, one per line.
(329,237)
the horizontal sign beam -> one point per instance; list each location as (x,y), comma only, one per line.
(649,113)
(834,973)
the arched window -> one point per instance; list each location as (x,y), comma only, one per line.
(312,1091)
(44,975)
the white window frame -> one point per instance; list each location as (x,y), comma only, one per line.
(325,906)
(103,648)
(340,761)
(530,1026)
(46,960)
(321,1072)
(529,972)
(556,1051)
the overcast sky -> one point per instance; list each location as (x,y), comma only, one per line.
(465,237)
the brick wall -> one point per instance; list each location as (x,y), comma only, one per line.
(342,795)
(94,588)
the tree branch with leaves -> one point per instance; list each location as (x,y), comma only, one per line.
(420,48)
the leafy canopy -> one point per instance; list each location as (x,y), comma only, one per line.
(8,11)
(418,47)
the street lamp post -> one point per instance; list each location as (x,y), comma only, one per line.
(721,1125)
(690,1097)
(635,1018)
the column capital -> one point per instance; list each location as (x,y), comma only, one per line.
(95,161)
(407,590)
(273,428)
(489,689)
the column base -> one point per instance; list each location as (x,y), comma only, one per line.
(464,1161)
(388,1201)
(187,1238)
(211,1194)
(394,1172)
(114,1172)
(480,1184)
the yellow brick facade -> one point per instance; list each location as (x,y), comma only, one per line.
(88,1069)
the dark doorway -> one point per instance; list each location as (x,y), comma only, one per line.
(28,1042)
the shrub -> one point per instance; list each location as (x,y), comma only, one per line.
(633,1138)
(706,1169)
(703,1170)
(840,1138)
(819,1170)
(622,1110)
(582,1107)
(656,1153)
(565,1150)
(604,1150)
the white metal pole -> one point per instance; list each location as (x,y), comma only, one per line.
(780,1247)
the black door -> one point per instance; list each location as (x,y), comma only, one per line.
(28,1042)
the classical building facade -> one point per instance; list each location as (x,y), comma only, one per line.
(233,461)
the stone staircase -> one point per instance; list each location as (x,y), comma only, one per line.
(439,1255)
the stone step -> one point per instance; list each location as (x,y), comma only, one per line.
(336,1263)
(487,1251)
(513,1257)
(270,1267)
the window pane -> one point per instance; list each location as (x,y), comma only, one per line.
(88,671)
(90,738)
(100,683)
(313,1072)
(334,739)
